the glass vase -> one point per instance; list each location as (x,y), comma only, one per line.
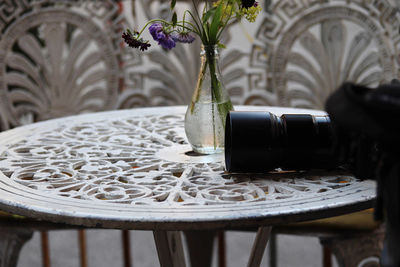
(206,114)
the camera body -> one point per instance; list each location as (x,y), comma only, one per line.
(361,134)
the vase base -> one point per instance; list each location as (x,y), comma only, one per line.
(208,150)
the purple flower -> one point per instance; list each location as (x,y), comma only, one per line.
(164,39)
(154,29)
(183,37)
(132,40)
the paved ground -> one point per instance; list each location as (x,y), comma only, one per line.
(104,250)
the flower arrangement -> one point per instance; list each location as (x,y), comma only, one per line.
(205,117)
(208,26)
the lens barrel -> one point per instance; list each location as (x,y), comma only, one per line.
(261,141)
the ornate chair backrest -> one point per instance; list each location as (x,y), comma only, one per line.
(308,48)
(58,58)
(65,57)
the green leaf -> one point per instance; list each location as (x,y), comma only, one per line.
(206,30)
(173,3)
(174,19)
(216,22)
(208,14)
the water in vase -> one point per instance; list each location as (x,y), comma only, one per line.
(205,126)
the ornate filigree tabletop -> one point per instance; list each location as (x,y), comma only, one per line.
(133,169)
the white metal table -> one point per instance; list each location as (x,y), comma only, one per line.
(133,169)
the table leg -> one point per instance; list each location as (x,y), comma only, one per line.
(272,249)
(259,245)
(169,248)
(11,242)
(200,246)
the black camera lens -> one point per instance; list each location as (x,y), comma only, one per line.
(261,141)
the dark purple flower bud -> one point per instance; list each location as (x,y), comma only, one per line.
(144,46)
(132,40)
(164,39)
(249,3)
(183,37)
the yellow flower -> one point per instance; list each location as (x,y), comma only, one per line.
(250,13)
(227,9)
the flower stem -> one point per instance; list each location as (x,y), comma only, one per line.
(199,84)
(216,86)
(193,29)
(217,96)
